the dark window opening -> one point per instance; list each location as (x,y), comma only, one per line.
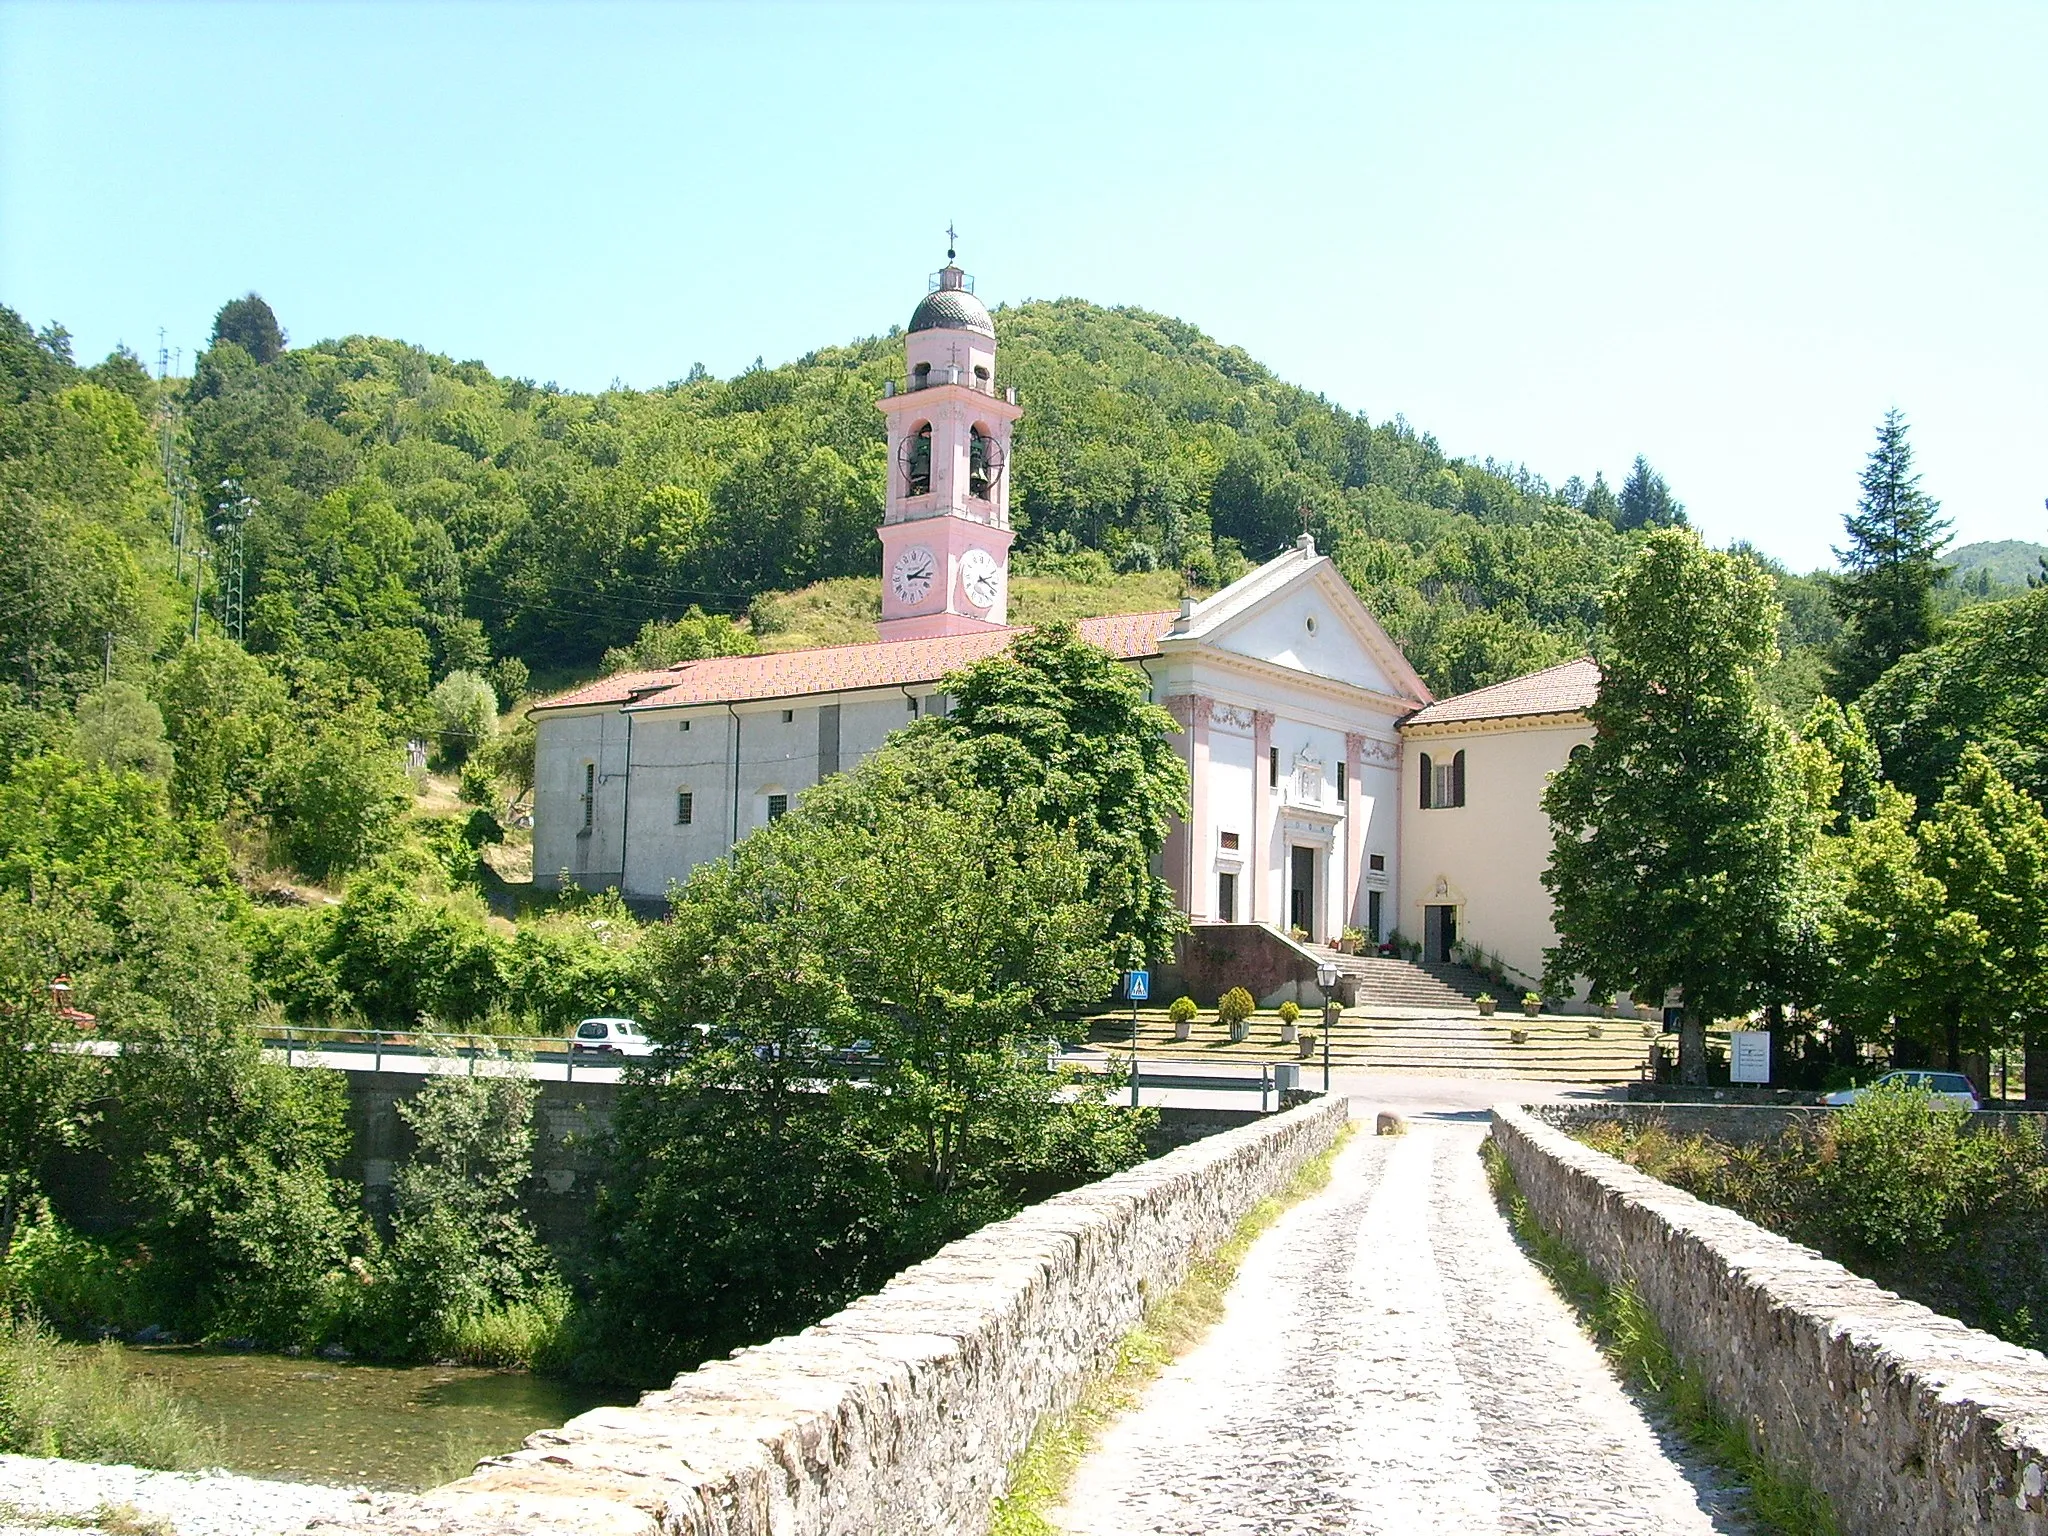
(1372,916)
(1226,898)
(1272,767)
(1340,782)
(1376,862)
(980,463)
(1230,839)
(788,716)
(685,804)
(589,795)
(778,807)
(918,466)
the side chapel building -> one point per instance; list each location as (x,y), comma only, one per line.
(1329,788)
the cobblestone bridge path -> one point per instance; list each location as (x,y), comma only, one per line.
(1390,1361)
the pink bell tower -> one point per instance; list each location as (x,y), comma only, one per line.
(946,521)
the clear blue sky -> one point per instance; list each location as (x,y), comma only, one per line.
(1726,236)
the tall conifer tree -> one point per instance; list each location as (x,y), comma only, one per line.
(1886,595)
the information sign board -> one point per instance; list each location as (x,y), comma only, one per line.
(1749,1056)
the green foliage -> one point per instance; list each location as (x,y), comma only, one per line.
(464,716)
(695,635)
(909,910)
(1289,1011)
(1680,836)
(1235,1007)
(1846,736)
(464,1273)
(336,797)
(1058,724)
(1886,597)
(248,323)
(58,1399)
(1182,1010)
(1984,684)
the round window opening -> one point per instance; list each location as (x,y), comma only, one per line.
(1311,622)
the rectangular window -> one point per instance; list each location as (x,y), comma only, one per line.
(589,795)
(1229,839)
(1272,767)
(1372,915)
(789,717)
(778,807)
(1443,784)
(1376,862)
(685,804)
(1442,788)
(1226,898)
(683,726)
(1340,782)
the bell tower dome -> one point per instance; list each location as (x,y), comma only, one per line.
(946,520)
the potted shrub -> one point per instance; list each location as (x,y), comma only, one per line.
(1234,1010)
(1519,1036)
(1644,1011)
(1182,1012)
(1486,1004)
(1353,942)
(1593,1030)
(1606,1002)
(1532,1003)
(1290,1015)
(1307,1047)
(1390,946)
(1299,935)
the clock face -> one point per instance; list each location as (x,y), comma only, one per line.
(912,575)
(981,579)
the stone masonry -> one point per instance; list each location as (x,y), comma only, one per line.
(1909,1421)
(903,1412)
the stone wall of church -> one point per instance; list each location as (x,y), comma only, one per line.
(903,1413)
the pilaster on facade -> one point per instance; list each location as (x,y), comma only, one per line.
(1263,909)
(1355,743)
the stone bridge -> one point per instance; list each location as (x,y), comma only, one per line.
(1390,1361)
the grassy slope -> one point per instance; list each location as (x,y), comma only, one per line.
(843,611)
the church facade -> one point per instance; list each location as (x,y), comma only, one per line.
(1329,789)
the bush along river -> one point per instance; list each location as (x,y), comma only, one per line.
(339,1421)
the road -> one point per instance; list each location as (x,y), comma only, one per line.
(1389,1362)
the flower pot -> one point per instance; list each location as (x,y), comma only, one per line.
(1182,1028)
(1650,1031)
(1608,1010)
(1646,1013)
(1306,1047)
(1592,1031)
(1237,1031)
(1486,1008)
(1532,1009)
(1289,1033)
(1519,1036)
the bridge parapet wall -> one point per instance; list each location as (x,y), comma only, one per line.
(903,1412)
(1909,1421)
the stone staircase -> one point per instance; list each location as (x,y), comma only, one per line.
(1405,983)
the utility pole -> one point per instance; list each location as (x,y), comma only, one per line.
(198,585)
(107,661)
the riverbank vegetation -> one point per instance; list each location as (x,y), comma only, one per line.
(1897,1187)
(80,1402)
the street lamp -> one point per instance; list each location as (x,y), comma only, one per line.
(1326,978)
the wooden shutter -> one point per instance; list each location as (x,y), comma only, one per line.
(1458,779)
(1425,781)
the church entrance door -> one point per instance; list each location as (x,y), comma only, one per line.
(1439,933)
(1301,894)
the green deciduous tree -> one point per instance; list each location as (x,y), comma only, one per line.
(1846,736)
(336,799)
(1680,836)
(1886,595)
(463,713)
(933,922)
(1057,723)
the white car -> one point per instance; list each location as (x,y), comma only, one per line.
(1945,1087)
(622,1037)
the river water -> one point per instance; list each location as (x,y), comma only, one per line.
(320,1421)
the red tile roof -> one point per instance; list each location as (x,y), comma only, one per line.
(841,668)
(1567,689)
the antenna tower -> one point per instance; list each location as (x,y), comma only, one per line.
(231,515)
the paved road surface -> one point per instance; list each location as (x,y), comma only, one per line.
(1391,1363)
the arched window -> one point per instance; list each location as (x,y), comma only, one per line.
(917,461)
(984,463)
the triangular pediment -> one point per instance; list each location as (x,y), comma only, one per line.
(1299,613)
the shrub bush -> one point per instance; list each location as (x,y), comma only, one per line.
(1236,1007)
(1289,1011)
(1182,1010)
(60,1399)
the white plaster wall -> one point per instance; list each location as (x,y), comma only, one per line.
(1229,810)
(1378,800)
(1491,852)
(1280,635)
(563,743)
(666,758)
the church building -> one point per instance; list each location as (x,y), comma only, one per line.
(1330,790)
